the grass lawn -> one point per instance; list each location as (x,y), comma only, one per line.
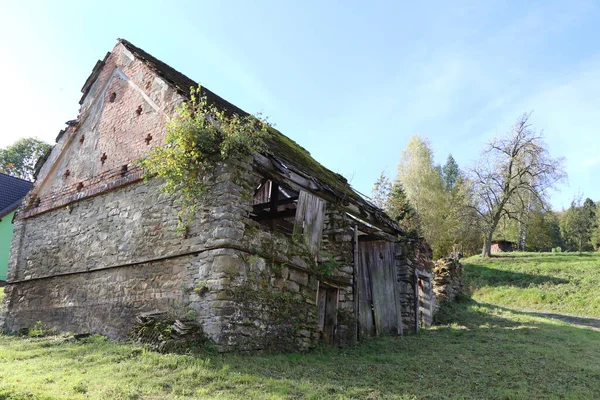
(557,282)
(477,351)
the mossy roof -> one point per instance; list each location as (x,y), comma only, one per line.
(294,156)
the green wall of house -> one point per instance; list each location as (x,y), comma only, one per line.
(6,233)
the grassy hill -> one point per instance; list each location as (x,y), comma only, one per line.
(553,282)
(477,350)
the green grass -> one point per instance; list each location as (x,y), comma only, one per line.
(556,282)
(488,352)
(477,350)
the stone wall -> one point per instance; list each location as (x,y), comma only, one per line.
(448,283)
(413,256)
(96,263)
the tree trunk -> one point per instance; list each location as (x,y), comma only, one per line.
(487,244)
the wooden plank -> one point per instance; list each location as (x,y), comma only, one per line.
(399,323)
(365,311)
(263,193)
(310,216)
(378,281)
(257,208)
(266,216)
(297,182)
(355,278)
(330,315)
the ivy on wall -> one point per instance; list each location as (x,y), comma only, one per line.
(198,136)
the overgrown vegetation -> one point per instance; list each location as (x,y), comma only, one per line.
(551,282)
(199,135)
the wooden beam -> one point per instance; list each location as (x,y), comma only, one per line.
(295,181)
(259,207)
(268,216)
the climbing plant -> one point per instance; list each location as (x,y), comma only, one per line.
(199,135)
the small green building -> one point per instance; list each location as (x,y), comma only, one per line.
(12,191)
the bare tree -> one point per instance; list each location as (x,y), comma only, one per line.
(510,170)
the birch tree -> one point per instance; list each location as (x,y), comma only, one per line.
(511,169)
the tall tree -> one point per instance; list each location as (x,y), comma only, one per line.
(596,229)
(450,173)
(422,184)
(392,198)
(577,224)
(510,169)
(19,159)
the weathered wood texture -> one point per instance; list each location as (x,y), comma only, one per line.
(378,298)
(328,304)
(310,216)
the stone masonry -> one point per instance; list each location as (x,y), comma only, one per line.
(95,245)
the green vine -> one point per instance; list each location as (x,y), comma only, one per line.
(198,136)
(326,267)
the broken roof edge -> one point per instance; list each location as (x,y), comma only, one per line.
(280,148)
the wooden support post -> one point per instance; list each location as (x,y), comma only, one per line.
(355,278)
(416,300)
(273,205)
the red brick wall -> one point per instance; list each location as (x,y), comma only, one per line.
(127,105)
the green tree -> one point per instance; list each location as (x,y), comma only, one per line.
(432,200)
(543,231)
(20,158)
(577,224)
(450,173)
(392,199)
(596,230)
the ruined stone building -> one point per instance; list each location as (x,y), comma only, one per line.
(95,244)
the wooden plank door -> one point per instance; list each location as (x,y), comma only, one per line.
(379,311)
(327,306)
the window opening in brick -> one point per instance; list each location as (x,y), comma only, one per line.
(275,207)
(67,173)
(113,97)
(81,139)
(124,170)
(103,158)
(138,112)
(79,186)
(148,139)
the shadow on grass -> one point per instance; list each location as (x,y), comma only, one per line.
(480,275)
(569,319)
(476,351)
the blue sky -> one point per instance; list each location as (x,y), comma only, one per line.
(349,81)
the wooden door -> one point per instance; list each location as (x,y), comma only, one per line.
(378,302)
(328,303)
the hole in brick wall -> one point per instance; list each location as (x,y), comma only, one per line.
(82,138)
(148,139)
(124,169)
(79,186)
(103,158)
(138,112)
(67,173)
(113,97)
(36,202)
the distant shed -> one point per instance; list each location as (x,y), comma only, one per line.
(503,246)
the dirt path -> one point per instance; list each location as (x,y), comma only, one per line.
(576,320)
